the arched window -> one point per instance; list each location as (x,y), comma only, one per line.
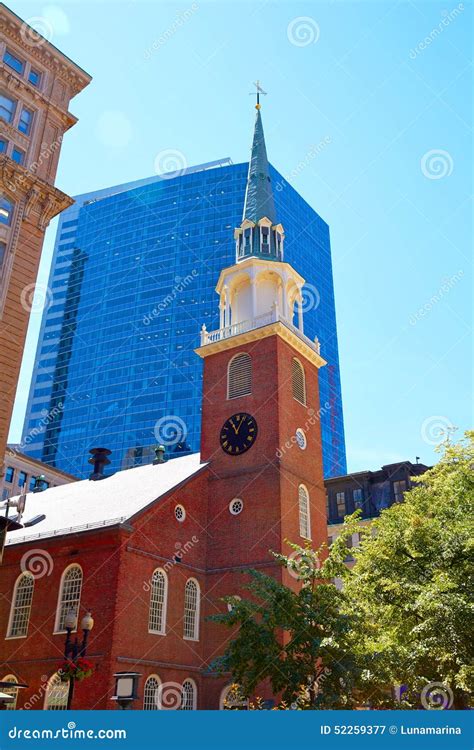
(188,696)
(151,695)
(10,691)
(21,606)
(298,381)
(56,694)
(239,376)
(232,700)
(305,520)
(158,601)
(191,610)
(69,595)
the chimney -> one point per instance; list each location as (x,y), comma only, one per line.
(98,459)
(160,455)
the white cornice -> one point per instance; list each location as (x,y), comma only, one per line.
(249,337)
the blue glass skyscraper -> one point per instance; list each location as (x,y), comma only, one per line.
(133,277)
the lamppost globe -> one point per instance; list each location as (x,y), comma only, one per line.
(87,622)
(70,621)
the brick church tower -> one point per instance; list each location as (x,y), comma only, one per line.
(260,411)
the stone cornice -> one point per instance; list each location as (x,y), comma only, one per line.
(15,83)
(38,195)
(249,337)
(43,51)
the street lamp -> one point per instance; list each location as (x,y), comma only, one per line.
(126,688)
(72,649)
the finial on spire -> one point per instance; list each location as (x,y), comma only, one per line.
(259,91)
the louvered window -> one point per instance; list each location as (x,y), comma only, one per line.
(298,382)
(239,376)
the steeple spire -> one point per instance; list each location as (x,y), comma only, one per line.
(259,234)
(259,195)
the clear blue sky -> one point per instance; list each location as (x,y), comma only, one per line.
(386,86)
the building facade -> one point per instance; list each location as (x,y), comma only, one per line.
(151,551)
(21,474)
(133,273)
(36,84)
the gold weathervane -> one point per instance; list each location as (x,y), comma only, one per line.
(259,91)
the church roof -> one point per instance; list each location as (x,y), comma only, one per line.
(80,506)
(259,195)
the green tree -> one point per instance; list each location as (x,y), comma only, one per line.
(412,589)
(300,641)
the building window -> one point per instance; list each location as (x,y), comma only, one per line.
(151,694)
(358,497)
(180,513)
(158,601)
(69,595)
(56,694)
(191,610)
(239,376)
(22,478)
(398,490)
(18,155)
(3,145)
(188,696)
(14,62)
(7,108)
(298,381)
(236,506)
(3,252)
(34,77)
(21,606)
(6,211)
(26,117)
(232,700)
(9,474)
(303,501)
(341,504)
(32,484)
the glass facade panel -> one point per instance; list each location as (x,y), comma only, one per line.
(130,296)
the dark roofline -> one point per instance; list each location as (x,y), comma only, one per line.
(367,472)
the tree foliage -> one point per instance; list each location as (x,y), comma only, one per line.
(404,616)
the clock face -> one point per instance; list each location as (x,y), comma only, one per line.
(238,434)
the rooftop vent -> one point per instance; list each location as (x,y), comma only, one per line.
(98,459)
(160,455)
(40,483)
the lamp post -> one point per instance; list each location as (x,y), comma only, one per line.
(72,649)
(126,688)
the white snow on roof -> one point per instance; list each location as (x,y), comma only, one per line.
(74,507)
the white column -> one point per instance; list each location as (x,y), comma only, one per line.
(227,307)
(284,297)
(221,315)
(300,313)
(253,286)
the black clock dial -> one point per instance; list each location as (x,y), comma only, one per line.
(238,434)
